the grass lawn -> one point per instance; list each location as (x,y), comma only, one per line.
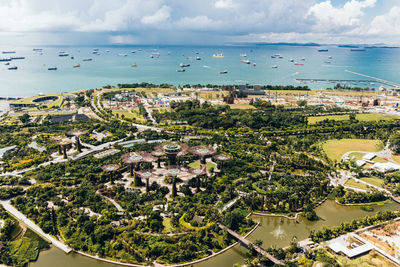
(242,106)
(196,165)
(396,158)
(336,148)
(207,95)
(129,114)
(360,117)
(371,259)
(374,181)
(27,247)
(353,183)
(167,225)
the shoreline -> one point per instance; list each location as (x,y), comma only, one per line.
(175,265)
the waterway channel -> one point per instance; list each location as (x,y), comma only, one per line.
(273,231)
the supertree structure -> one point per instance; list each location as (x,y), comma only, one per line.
(111,168)
(77,133)
(203,152)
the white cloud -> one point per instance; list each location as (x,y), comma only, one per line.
(125,21)
(197,23)
(161,15)
(328,17)
(387,24)
(224,4)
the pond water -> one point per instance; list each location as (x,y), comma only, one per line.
(272,231)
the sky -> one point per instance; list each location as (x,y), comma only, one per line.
(202,22)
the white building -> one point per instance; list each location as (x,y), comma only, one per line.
(350,249)
(385,167)
(369,156)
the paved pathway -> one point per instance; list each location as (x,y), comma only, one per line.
(21,217)
(248,244)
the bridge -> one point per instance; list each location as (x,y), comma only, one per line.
(382,81)
(247,243)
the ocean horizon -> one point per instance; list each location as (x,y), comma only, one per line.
(110,68)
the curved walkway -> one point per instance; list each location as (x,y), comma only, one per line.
(21,217)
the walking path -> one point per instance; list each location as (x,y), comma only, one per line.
(247,243)
(21,217)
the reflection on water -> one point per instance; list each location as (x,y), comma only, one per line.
(273,231)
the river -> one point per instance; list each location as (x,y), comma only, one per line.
(272,230)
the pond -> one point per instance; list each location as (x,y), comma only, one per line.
(273,231)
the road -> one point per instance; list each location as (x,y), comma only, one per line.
(21,217)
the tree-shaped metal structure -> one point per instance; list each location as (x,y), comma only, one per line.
(222,158)
(62,146)
(133,159)
(145,175)
(111,168)
(174,171)
(173,150)
(198,173)
(77,134)
(203,152)
(158,154)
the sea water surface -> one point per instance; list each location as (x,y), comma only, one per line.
(110,66)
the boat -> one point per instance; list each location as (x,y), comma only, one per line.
(274,67)
(8,63)
(298,64)
(323,50)
(72,57)
(37,49)
(327,62)
(76,66)
(5,59)
(218,56)
(303,58)
(330,57)
(134,65)
(63,55)
(277,56)
(14,58)
(13,68)
(95,52)
(357,50)
(245,61)
(122,55)
(198,58)
(107,51)
(254,64)
(243,55)
(95,49)
(133,51)
(87,59)
(52,68)
(223,72)
(180,70)
(184,65)
(8,52)
(291,60)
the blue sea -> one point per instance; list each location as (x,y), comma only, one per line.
(33,76)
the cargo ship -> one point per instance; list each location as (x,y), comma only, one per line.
(218,56)
(323,50)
